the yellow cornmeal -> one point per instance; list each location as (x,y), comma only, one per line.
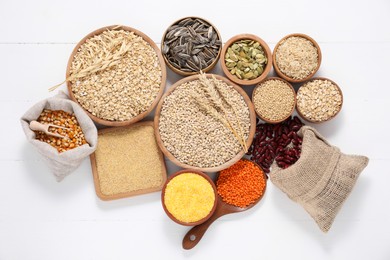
(189,197)
(128,160)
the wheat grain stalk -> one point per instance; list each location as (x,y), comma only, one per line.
(234,110)
(110,60)
(216,101)
(209,109)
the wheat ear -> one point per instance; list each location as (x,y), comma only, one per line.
(216,99)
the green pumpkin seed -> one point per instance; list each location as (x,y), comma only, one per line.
(246,59)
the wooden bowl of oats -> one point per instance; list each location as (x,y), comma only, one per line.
(116,74)
(205,122)
(296,57)
(190,45)
(246,59)
(319,100)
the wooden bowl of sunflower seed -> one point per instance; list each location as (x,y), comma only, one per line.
(246,59)
(117,75)
(191,45)
(205,122)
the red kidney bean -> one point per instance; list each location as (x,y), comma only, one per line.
(277,142)
(296,128)
(281,164)
(297,120)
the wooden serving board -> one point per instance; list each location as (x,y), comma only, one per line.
(95,172)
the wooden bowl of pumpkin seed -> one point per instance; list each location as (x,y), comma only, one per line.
(190,45)
(246,59)
(117,75)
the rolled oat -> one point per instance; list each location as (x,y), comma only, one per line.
(121,75)
(319,100)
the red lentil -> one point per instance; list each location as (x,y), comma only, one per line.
(241,184)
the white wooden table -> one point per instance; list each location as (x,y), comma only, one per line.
(43,219)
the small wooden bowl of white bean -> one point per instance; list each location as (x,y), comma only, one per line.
(116,74)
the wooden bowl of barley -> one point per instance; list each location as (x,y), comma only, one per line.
(192,136)
(117,75)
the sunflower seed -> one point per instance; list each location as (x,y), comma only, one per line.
(183,55)
(191,44)
(210,33)
(165,48)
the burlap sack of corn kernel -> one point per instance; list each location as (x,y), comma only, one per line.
(321,179)
(61,164)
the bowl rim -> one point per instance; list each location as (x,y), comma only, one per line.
(266,49)
(191,171)
(280,73)
(233,160)
(292,109)
(341,94)
(161,62)
(186,73)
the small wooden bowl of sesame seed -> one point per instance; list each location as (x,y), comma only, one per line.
(296,57)
(189,197)
(319,100)
(246,59)
(190,45)
(274,100)
(117,75)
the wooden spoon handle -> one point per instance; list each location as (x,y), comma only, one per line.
(35,126)
(192,238)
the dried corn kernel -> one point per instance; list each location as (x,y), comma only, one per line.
(65,119)
(189,197)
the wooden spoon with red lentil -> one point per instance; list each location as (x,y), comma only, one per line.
(239,187)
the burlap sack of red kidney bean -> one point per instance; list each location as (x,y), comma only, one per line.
(307,168)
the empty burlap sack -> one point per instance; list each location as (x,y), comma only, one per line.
(321,179)
(61,164)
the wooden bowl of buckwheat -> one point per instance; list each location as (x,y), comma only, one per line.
(190,45)
(246,59)
(205,122)
(319,100)
(296,57)
(117,75)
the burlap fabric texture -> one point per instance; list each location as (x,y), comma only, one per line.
(61,164)
(322,178)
